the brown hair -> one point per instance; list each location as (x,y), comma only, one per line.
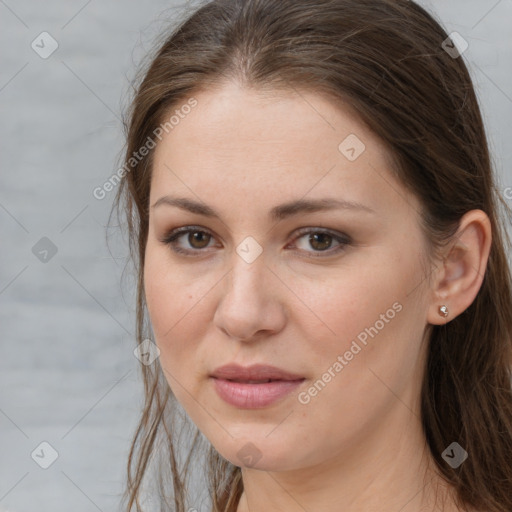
(385,58)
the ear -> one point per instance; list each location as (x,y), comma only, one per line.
(460,274)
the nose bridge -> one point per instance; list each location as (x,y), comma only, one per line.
(248,304)
(248,279)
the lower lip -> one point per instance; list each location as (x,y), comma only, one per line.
(254,396)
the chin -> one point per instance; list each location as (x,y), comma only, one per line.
(259,453)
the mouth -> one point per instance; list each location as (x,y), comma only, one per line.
(254,387)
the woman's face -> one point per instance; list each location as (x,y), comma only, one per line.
(333,294)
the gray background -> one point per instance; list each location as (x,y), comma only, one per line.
(68,375)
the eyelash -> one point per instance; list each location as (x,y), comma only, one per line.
(172,237)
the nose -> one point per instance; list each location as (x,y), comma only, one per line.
(251,305)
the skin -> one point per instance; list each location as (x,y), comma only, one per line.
(359,440)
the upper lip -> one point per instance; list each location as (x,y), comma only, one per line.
(253,372)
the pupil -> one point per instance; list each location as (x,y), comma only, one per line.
(197,236)
(314,238)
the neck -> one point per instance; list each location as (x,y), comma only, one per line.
(388,468)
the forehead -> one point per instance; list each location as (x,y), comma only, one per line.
(268,144)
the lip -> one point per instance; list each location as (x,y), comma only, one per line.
(235,384)
(253,372)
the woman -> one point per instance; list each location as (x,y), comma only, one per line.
(321,265)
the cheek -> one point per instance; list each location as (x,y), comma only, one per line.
(350,305)
(377,326)
(174,303)
(366,331)
(178,319)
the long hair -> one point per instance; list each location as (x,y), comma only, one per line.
(390,60)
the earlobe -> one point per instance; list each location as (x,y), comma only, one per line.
(461,273)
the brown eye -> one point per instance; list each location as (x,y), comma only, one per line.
(323,243)
(320,241)
(198,239)
(194,241)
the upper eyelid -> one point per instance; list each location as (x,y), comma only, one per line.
(300,231)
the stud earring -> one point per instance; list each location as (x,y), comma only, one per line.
(443,311)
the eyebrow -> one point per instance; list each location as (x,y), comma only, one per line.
(277,213)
